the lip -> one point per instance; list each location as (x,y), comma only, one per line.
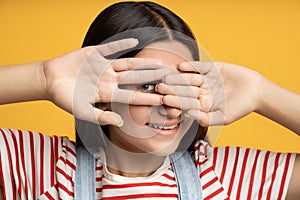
(165,132)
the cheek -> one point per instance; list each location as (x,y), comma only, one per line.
(139,114)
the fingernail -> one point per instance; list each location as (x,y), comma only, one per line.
(135,41)
(156,87)
(161,100)
(119,120)
(188,116)
(120,124)
(192,113)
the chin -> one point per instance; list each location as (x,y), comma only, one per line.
(165,150)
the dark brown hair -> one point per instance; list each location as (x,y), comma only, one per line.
(125,16)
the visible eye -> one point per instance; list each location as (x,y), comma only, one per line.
(149,87)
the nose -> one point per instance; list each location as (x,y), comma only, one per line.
(170,112)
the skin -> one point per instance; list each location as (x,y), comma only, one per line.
(215,84)
(136,136)
(71,80)
(205,104)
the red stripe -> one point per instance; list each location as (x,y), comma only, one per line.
(215,157)
(211,182)
(286,167)
(234,170)
(63,173)
(99,179)
(52,165)
(42,176)
(48,195)
(253,175)
(212,195)
(263,179)
(98,190)
(136,196)
(206,171)
(62,159)
(32,156)
(200,162)
(62,187)
(196,148)
(70,150)
(13,183)
(273,176)
(242,175)
(99,168)
(70,164)
(225,164)
(172,178)
(128,185)
(67,162)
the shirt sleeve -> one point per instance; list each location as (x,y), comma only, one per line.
(252,174)
(27,163)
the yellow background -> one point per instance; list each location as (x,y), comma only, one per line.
(262,35)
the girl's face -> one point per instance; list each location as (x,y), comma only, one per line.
(152,129)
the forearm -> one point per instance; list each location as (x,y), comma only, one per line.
(19,83)
(280,105)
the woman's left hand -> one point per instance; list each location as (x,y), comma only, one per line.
(214,93)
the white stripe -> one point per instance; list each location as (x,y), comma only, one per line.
(47,167)
(247,176)
(28,164)
(4,159)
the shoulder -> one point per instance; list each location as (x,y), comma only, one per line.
(20,142)
(221,155)
(246,172)
(43,160)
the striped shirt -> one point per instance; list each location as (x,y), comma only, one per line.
(37,166)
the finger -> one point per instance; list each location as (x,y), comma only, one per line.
(136,63)
(184,79)
(97,116)
(143,76)
(184,103)
(207,119)
(114,47)
(184,91)
(200,67)
(137,98)
(108,118)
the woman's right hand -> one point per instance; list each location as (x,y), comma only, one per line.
(214,93)
(78,80)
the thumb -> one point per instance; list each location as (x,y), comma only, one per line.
(214,118)
(97,116)
(108,117)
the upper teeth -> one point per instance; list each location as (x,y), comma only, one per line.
(162,127)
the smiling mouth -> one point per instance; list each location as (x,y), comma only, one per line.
(162,127)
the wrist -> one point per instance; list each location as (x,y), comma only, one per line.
(260,100)
(23,82)
(35,85)
(269,94)
(42,80)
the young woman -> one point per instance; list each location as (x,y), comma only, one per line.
(146,98)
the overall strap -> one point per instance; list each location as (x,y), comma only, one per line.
(84,175)
(186,176)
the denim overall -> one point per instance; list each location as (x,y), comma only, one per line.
(186,176)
